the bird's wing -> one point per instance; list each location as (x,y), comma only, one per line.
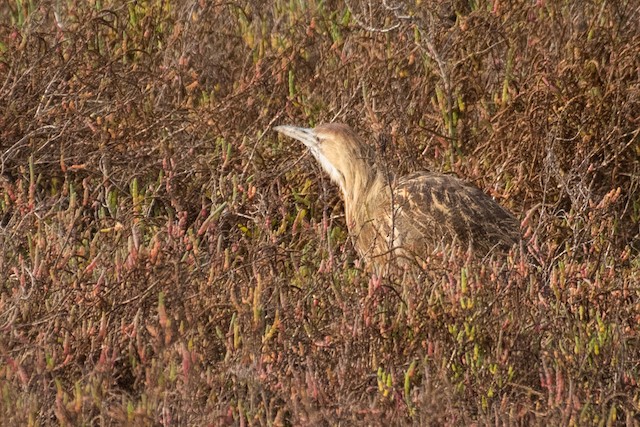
(431,208)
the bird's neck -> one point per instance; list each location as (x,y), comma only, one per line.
(364,189)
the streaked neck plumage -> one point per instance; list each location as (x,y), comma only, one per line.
(352,165)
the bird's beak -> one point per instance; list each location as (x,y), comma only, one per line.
(305,135)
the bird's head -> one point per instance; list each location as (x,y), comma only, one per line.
(338,149)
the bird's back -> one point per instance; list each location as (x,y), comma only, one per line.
(432,210)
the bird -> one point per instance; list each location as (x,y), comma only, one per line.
(404,217)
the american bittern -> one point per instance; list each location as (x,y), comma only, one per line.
(406,216)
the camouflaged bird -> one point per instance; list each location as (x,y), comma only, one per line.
(409,216)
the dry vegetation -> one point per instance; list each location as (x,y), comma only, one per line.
(168,260)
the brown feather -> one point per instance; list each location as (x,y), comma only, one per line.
(409,216)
